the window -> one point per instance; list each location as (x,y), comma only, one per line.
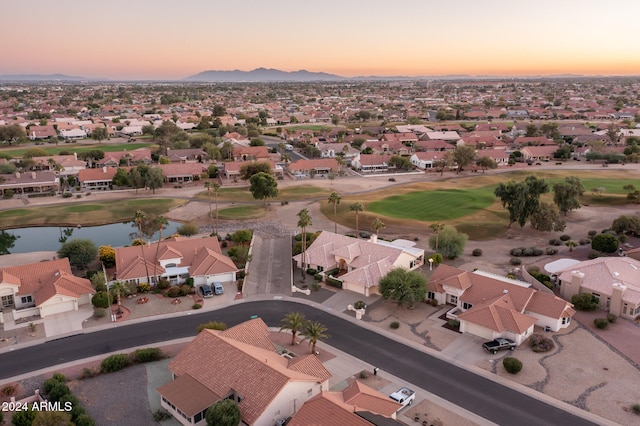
(453,300)
(431,295)
(466,305)
(608,302)
(624,308)
(597,296)
(309,393)
(26,299)
(320,268)
(566,320)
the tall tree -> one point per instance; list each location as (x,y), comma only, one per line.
(139,218)
(463,156)
(521,199)
(99,134)
(250,169)
(155,179)
(334,198)
(404,287)
(136,179)
(263,186)
(357,207)
(547,218)
(304,220)
(377,225)
(567,194)
(223,413)
(80,252)
(452,242)
(314,332)
(436,227)
(486,163)
(294,322)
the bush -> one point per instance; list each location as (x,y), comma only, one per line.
(477,252)
(224,244)
(364,374)
(512,365)
(8,390)
(315,286)
(114,363)
(395,325)
(143,288)
(163,284)
(437,258)
(635,408)
(601,323)
(334,282)
(605,242)
(592,233)
(594,254)
(8,194)
(359,305)
(515,261)
(212,325)
(99,313)
(317,277)
(584,241)
(551,251)
(433,302)
(453,323)
(88,373)
(67,195)
(584,302)
(311,271)
(100,300)
(197,306)
(540,343)
(565,237)
(555,242)
(188,229)
(185,290)
(147,355)
(174,292)
(161,415)
(612,318)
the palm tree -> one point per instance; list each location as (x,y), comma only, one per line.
(161,222)
(118,288)
(334,199)
(294,322)
(314,331)
(357,207)
(377,225)
(208,186)
(139,218)
(437,227)
(304,221)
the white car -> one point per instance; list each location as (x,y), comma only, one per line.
(403,396)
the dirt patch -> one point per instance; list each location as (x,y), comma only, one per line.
(435,415)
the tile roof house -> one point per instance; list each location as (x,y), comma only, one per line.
(360,263)
(127,158)
(30,182)
(492,306)
(178,259)
(43,288)
(352,406)
(613,281)
(191,155)
(426,160)
(182,172)
(242,364)
(66,164)
(372,163)
(538,153)
(316,166)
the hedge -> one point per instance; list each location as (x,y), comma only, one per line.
(334,282)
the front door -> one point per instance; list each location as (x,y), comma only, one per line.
(7,301)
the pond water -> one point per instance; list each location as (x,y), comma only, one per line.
(48,238)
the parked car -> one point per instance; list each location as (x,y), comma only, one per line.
(499,344)
(218,288)
(403,396)
(205,290)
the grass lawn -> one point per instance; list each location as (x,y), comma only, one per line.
(241,212)
(243,195)
(56,149)
(85,214)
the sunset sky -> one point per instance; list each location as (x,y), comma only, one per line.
(159,39)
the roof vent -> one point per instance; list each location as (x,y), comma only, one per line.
(505,291)
(615,273)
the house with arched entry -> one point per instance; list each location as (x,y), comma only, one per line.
(359,264)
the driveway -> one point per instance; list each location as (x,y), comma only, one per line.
(270,266)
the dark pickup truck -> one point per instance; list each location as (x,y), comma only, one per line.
(499,344)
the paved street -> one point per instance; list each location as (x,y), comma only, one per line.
(473,392)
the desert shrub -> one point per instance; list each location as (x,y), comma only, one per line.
(114,362)
(197,306)
(592,233)
(143,287)
(533,269)
(88,373)
(185,289)
(174,292)
(334,282)
(433,302)
(212,325)
(147,355)
(58,390)
(565,237)
(315,286)
(594,254)
(601,323)
(537,251)
(163,284)
(67,195)
(515,261)
(551,251)
(512,276)
(555,242)
(99,313)
(188,229)
(311,271)
(584,241)
(635,408)
(540,343)
(437,258)
(512,365)
(584,302)
(477,252)
(317,277)
(161,415)
(527,252)
(612,318)
(395,325)
(453,323)
(224,244)
(100,300)
(517,251)
(540,276)
(364,374)
(359,305)
(605,242)
(8,390)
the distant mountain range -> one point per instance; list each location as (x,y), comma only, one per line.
(262,74)
(274,75)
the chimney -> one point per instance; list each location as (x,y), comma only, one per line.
(104,169)
(374,238)
(617,290)
(75,155)
(33,175)
(18,175)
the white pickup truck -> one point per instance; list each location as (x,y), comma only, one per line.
(403,396)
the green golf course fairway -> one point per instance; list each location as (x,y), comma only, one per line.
(434,205)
